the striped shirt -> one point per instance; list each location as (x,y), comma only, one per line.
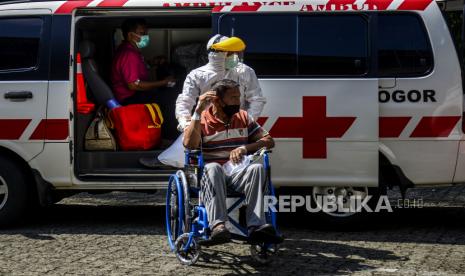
(219,139)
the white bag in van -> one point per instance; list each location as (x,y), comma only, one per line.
(174,155)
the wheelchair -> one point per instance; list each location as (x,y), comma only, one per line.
(187,223)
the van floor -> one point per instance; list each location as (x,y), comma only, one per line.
(122,165)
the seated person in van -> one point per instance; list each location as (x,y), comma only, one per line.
(208,129)
(130,75)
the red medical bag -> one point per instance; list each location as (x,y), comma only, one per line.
(137,126)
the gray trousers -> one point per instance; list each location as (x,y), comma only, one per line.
(215,184)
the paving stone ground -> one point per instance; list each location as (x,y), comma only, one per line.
(123,234)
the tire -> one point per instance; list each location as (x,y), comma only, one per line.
(174,210)
(14,193)
(351,220)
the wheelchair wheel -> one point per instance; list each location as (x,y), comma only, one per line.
(189,256)
(174,210)
(262,253)
(187,206)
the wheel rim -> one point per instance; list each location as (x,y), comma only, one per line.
(345,194)
(172,213)
(192,254)
(3,192)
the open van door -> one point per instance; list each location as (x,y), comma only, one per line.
(322,99)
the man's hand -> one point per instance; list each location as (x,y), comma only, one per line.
(205,100)
(237,154)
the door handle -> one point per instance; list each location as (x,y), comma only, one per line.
(387,83)
(18,96)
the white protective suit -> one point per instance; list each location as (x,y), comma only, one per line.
(200,80)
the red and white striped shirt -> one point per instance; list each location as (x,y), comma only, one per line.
(219,138)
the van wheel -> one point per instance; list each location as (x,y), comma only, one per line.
(342,196)
(13,192)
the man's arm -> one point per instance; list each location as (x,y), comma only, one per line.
(258,138)
(193,133)
(148,85)
(264,142)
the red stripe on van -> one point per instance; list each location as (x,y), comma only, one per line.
(262,120)
(51,129)
(392,127)
(12,129)
(420,5)
(69,6)
(246,8)
(379,4)
(217,9)
(435,126)
(112,3)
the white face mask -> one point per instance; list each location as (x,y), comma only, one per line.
(216,60)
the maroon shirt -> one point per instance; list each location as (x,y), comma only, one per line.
(128,67)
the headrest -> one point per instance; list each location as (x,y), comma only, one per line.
(87,49)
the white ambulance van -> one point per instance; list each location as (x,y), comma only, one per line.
(362,94)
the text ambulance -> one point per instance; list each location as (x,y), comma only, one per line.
(361,94)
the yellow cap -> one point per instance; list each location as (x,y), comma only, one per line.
(232,44)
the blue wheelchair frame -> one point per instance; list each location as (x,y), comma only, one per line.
(198,228)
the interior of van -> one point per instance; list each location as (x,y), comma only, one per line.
(180,38)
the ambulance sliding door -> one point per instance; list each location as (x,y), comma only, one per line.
(322,103)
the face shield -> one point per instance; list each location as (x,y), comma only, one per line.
(234,47)
(233,59)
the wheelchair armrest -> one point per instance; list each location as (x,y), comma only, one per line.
(262,151)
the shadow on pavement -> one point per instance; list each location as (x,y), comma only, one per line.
(298,256)
(407,223)
(311,243)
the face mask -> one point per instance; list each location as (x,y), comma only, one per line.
(144,41)
(230,110)
(231,61)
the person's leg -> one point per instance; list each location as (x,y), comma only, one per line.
(251,182)
(213,194)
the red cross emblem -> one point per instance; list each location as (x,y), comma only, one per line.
(314,127)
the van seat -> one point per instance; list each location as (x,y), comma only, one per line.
(100,90)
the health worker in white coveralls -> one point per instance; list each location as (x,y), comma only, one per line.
(224,62)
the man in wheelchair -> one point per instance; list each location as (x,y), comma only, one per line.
(226,133)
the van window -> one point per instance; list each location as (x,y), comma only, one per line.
(271,41)
(403,46)
(335,45)
(301,45)
(19,43)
